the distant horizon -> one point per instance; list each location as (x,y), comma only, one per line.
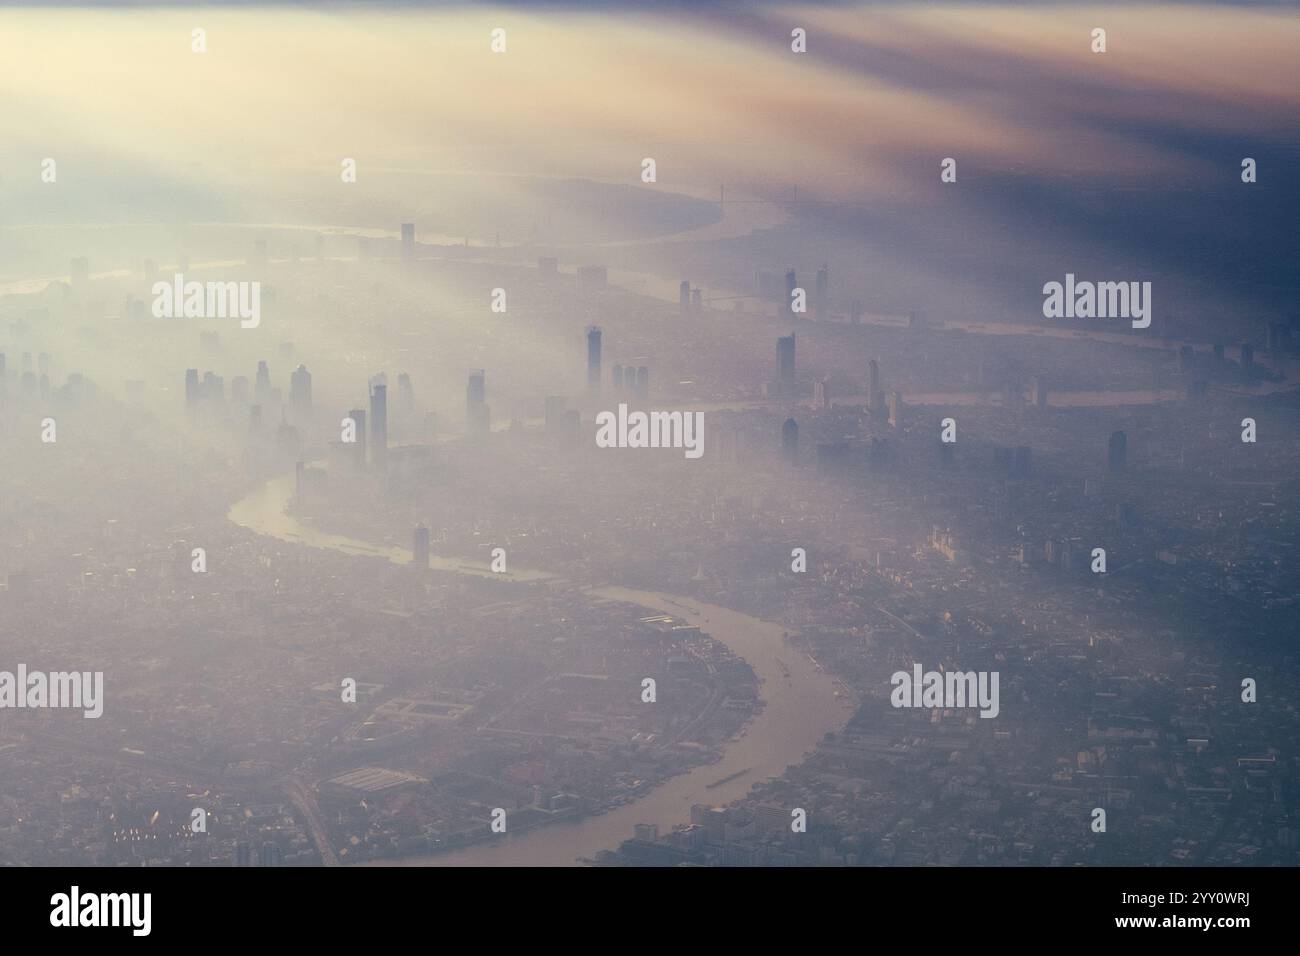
(842,436)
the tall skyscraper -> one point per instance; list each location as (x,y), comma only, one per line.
(408,241)
(476,408)
(476,389)
(379,426)
(1117,452)
(874,396)
(791,283)
(790,440)
(684,296)
(262,384)
(300,394)
(593,358)
(358,415)
(421,547)
(785,364)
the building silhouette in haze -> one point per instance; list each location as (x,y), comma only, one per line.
(476,408)
(379,426)
(420,549)
(300,394)
(785,364)
(593,358)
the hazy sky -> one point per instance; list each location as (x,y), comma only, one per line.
(1134,154)
(713,95)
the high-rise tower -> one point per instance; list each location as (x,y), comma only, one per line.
(785,363)
(300,394)
(593,358)
(379,426)
(476,408)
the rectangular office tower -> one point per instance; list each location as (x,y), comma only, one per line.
(476,408)
(785,363)
(420,549)
(379,426)
(593,358)
(300,395)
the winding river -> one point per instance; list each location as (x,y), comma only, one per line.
(801,705)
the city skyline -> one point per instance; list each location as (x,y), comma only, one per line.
(852,436)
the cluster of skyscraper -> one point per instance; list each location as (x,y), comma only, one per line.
(206,396)
(624,378)
(36,386)
(33,383)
